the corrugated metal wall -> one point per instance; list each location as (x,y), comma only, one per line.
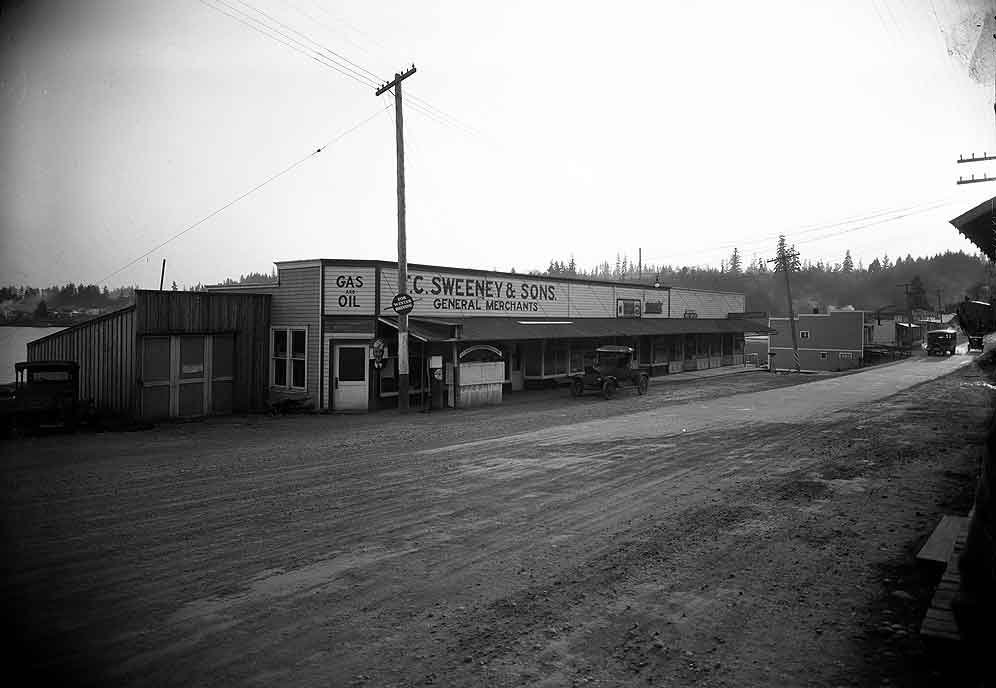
(105,350)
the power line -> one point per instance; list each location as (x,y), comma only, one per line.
(873,224)
(428,108)
(251,22)
(251,191)
(807,229)
(362,72)
(315,50)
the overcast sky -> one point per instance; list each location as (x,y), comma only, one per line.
(581,128)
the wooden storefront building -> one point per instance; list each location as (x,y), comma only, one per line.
(827,341)
(171,354)
(489,331)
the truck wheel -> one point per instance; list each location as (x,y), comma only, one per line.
(577,387)
(609,389)
(642,384)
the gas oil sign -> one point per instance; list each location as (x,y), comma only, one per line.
(349,291)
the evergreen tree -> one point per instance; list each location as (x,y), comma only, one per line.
(41,310)
(875,266)
(174,287)
(886,263)
(735,266)
(848,265)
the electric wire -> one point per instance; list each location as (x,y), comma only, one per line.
(354,70)
(807,229)
(268,31)
(251,191)
(358,71)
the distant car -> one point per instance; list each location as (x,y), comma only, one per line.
(975,343)
(942,342)
(44,393)
(613,365)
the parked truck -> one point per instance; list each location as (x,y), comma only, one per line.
(976,319)
(44,394)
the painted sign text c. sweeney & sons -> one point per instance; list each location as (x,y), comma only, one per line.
(436,293)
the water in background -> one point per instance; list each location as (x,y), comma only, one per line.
(14,347)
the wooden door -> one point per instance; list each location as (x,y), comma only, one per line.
(156,366)
(350,383)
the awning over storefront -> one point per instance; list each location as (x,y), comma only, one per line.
(977,226)
(425,329)
(518,329)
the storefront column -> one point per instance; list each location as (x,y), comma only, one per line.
(455,396)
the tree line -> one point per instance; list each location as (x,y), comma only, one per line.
(885,283)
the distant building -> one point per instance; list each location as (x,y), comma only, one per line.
(892,329)
(827,341)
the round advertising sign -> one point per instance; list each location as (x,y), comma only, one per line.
(402,303)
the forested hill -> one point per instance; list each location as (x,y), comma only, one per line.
(816,285)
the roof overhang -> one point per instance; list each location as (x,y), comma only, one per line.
(977,226)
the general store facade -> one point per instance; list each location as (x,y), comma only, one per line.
(333,334)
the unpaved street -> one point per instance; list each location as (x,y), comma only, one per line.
(748,530)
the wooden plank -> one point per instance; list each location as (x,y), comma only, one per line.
(941,543)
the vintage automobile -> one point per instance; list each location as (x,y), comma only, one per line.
(942,342)
(977,319)
(612,366)
(45,393)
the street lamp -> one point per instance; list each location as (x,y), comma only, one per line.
(657,282)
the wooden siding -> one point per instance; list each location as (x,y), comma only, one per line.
(350,291)
(105,350)
(705,304)
(245,315)
(837,330)
(297,302)
(809,359)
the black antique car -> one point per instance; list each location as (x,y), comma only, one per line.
(613,365)
(942,342)
(45,393)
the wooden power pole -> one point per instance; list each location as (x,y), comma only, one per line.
(402,241)
(784,261)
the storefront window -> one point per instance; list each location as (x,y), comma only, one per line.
(582,355)
(662,349)
(389,375)
(288,367)
(555,361)
(690,347)
(532,359)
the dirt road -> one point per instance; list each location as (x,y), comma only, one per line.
(749,531)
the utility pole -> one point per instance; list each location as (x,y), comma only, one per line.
(639,266)
(974,158)
(162,275)
(940,314)
(909,314)
(785,261)
(402,241)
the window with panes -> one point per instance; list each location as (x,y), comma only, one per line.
(289,362)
